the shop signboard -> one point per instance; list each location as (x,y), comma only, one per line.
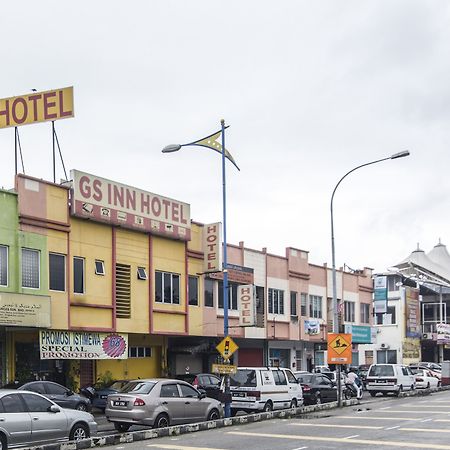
(247,305)
(23,310)
(103,200)
(236,274)
(380,295)
(360,334)
(55,344)
(443,333)
(412,312)
(312,327)
(36,107)
(212,247)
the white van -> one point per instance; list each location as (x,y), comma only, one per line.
(387,378)
(264,389)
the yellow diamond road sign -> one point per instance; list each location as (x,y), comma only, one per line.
(227,347)
(339,344)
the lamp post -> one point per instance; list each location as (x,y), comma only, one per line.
(333,256)
(211,143)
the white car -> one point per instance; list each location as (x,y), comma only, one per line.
(425,379)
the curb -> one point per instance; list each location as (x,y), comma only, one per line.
(177,430)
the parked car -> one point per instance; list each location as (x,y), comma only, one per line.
(59,394)
(392,378)
(99,393)
(206,381)
(264,389)
(425,379)
(321,369)
(160,402)
(28,418)
(434,372)
(317,388)
(333,376)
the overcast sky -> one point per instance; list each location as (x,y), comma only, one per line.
(310,90)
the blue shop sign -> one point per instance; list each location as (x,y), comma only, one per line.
(360,334)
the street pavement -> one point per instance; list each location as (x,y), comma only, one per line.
(413,422)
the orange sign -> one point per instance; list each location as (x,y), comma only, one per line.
(227,347)
(339,348)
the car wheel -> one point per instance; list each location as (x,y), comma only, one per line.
(372,393)
(293,403)
(318,399)
(268,407)
(162,421)
(79,431)
(234,412)
(81,407)
(213,415)
(428,385)
(439,384)
(3,442)
(121,427)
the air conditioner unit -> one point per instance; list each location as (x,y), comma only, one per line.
(425,336)
(385,346)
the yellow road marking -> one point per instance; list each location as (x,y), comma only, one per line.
(332,425)
(377,418)
(181,447)
(334,439)
(434,430)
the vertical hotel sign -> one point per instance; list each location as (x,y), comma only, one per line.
(104,200)
(212,247)
(247,305)
(380,294)
(36,107)
(412,312)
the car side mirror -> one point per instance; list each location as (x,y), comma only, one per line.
(69,393)
(201,393)
(53,409)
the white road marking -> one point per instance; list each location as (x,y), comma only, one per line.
(299,448)
(333,425)
(393,428)
(390,444)
(426,420)
(351,437)
(434,430)
(181,447)
(387,407)
(377,418)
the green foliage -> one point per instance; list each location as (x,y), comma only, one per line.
(104,379)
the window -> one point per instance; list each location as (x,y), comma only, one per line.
(139,352)
(349,311)
(392,283)
(315,306)
(193,291)
(209,292)
(279,377)
(365,312)
(387,318)
(99,267)
(290,377)
(293,303)
(276,301)
(55,389)
(141,273)
(30,268)
(386,357)
(3,265)
(123,291)
(35,403)
(303,304)
(36,387)
(13,403)
(78,275)
(57,272)
(169,390)
(232,296)
(167,287)
(187,391)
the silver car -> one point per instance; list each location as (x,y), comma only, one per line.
(28,418)
(160,402)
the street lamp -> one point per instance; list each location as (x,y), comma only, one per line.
(333,255)
(211,143)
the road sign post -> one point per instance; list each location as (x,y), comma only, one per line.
(339,352)
(226,348)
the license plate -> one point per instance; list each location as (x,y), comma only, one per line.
(120,403)
(238,394)
(103,396)
(381,381)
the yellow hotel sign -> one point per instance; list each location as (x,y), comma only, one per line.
(36,107)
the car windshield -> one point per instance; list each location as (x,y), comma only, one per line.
(381,371)
(138,387)
(243,377)
(305,379)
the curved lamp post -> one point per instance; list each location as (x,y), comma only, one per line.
(333,253)
(211,143)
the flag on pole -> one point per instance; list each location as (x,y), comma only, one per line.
(212,142)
